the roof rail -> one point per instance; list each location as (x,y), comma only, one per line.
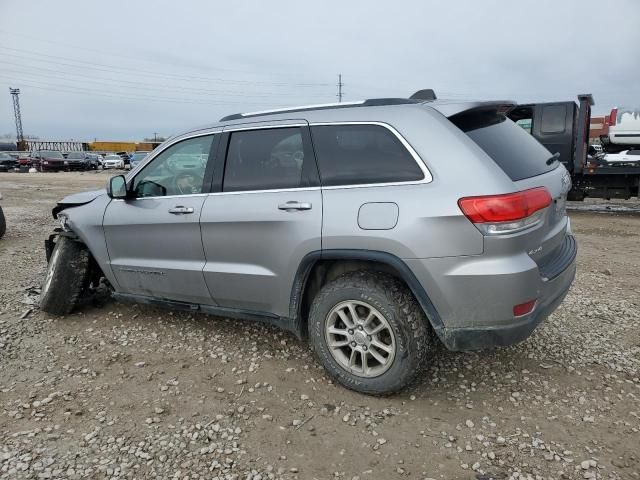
(372,102)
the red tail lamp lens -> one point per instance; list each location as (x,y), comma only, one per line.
(505,208)
(524,308)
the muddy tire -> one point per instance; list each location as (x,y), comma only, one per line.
(3,223)
(376,316)
(67,277)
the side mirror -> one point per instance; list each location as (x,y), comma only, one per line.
(117,187)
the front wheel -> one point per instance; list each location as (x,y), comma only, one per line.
(67,277)
(3,223)
(369,332)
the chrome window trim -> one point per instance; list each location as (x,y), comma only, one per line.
(272,190)
(189,195)
(428,178)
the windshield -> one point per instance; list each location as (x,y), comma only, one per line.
(138,156)
(50,154)
(112,157)
(76,155)
(5,156)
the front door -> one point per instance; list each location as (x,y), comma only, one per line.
(153,239)
(265,217)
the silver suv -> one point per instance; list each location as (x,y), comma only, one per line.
(372,229)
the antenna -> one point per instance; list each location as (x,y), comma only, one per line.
(15,92)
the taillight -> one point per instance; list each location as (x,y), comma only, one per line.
(506,213)
(613,116)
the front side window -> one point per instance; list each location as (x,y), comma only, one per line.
(178,170)
(362,154)
(268,159)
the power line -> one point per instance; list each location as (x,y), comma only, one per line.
(111,68)
(39,72)
(99,93)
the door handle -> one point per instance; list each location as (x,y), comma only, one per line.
(293,205)
(180,210)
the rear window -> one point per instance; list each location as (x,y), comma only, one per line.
(515,151)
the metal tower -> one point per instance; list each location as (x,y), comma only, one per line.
(15,92)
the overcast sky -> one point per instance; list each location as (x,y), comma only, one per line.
(124,69)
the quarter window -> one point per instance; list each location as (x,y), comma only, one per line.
(178,170)
(268,159)
(362,154)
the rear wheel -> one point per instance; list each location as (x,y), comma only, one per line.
(369,332)
(67,277)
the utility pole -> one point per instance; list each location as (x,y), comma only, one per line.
(340,85)
(15,92)
(155,137)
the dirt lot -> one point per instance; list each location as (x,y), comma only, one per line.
(119,391)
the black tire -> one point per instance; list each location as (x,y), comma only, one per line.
(3,223)
(67,277)
(389,296)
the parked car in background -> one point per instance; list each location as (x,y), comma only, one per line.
(112,161)
(95,160)
(136,158)
(48,161)
(624,158)
(125,157)
(77,161)
(7,162)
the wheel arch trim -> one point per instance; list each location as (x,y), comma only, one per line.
(307,263)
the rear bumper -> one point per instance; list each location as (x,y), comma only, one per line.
(477,338)
(474,296)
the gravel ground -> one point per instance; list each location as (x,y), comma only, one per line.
(121,391)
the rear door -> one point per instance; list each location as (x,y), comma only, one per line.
(153,239)
(265,216)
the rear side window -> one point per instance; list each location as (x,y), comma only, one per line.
(268,159)
(362,154)
(515,151)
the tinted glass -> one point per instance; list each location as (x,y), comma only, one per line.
(633,152)
(76,155)
(49,154)
(179,170)
(553,119)
(267,159)
(513,149)
(362,154)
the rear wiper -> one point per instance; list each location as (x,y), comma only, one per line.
(554,158)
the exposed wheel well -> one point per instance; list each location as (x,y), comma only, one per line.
(324,271)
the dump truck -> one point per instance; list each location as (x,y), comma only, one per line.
(563,128)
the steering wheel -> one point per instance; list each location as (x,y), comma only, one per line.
(187,183)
